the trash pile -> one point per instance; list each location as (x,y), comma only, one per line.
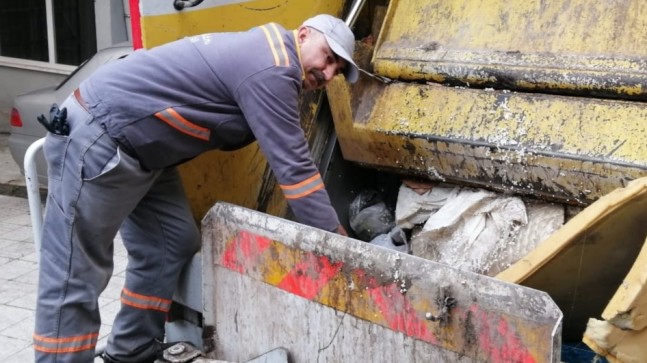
(471,229)
(372,221)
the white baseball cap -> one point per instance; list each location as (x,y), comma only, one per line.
(340,40)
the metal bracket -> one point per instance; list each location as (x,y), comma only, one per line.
(445,302)
(184,352)
(181,352)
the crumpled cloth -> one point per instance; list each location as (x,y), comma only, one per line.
(473,229)
(413,208)
(395,240)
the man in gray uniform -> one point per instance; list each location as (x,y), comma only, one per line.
(130,124)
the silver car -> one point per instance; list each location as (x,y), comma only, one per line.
(25,129)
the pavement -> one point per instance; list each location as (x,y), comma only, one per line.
(19,269)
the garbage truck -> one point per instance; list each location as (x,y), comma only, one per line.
(541,101)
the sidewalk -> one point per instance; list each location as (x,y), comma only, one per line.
(19,269)
(11,181)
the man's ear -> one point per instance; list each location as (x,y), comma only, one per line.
(303,33)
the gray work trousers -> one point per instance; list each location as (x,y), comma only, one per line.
(96,190)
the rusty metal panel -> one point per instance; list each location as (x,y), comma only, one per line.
(270,283)
(569,149)
(576,46)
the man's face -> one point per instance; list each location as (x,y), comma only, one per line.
(319,62)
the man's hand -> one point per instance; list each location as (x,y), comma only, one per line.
(341,230)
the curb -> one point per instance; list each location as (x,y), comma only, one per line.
(19,191)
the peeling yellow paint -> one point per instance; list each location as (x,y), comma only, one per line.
(569,148)
(574,46)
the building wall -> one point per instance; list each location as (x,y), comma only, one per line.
(113,26)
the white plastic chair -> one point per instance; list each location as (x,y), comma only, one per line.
(33,191)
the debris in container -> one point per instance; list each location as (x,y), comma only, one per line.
(420,187)
(413,208)
(396,240)
(369,216)
(473,229)
(470,229)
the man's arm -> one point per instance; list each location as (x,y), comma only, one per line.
(269,101)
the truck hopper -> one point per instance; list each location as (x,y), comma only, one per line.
(536,99)
(523,98)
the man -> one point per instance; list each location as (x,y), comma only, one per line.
(130,124)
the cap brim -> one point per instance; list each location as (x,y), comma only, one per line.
(351,71)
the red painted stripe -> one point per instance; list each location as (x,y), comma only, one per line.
(136,24)
(508,347)
(498,339)
(244,248)
(309,276)
(400,314)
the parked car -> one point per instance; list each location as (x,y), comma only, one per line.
(24,127)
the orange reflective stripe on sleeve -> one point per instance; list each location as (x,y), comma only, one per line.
(303,188)
(276,45)
(72,344)
(175,120)
(145,302)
